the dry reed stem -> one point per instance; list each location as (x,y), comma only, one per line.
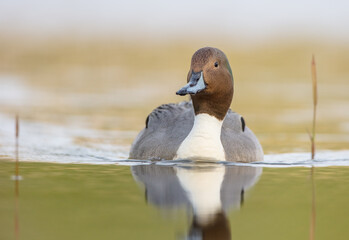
(17,135)
(17,178)
(315,98)
(312,139)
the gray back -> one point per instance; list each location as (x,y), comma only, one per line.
(168,125)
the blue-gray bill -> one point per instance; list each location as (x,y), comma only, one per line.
(195,85)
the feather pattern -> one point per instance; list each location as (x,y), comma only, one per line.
(169,124)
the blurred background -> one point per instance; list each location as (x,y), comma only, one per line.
(104,65)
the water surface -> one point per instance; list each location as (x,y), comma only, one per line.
(65,201)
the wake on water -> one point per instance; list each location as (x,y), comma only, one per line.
(42,142)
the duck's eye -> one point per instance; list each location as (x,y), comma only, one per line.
(216,64)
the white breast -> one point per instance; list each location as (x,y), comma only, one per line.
(204,140)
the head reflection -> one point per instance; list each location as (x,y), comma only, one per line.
(208,190)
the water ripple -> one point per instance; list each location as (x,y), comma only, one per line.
(42,142)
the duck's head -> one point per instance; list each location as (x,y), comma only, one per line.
(210,82)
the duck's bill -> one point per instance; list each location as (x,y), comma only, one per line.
(195,85)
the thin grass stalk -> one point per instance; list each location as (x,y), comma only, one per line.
(315,98)
(17,178)
(17,135)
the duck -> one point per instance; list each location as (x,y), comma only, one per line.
(204,128)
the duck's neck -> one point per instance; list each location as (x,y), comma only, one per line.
(204,140)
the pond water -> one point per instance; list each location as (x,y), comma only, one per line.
(78,201)
(88,189)
(75,134)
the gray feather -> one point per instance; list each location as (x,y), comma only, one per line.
(168,125)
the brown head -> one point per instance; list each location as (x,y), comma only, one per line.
(210,82)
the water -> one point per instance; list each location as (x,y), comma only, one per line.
(69,201)
(51,143)
(88,189)
(78,117)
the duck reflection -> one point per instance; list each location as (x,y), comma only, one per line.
(208,190)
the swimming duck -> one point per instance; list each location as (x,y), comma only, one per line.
(203,128)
